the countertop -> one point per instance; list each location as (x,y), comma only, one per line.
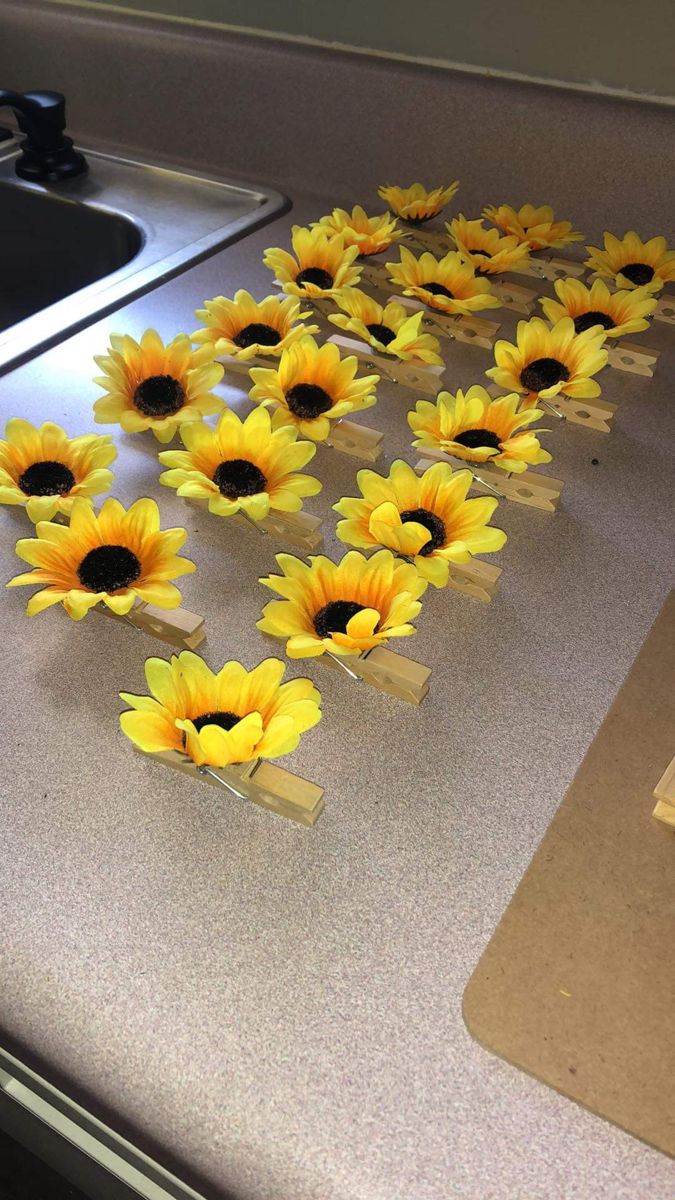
(276,1011)
(272,1011)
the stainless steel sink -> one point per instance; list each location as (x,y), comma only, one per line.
(71,252)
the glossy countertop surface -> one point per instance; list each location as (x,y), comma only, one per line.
(275,1012)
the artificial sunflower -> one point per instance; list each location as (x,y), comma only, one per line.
(245,328)
(547,361)
(536,226)
(241,465)
(449,284)
(415,204)
(217,718)
(632,263)
(487,250)
(370,234)
(114,557)
(344,607)
(389,329)
(474,427)
(618,313)
(152,386)
(313,386)
(427,518)
(44,469)
(322,263)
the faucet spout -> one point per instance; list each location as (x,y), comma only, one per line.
(47,155)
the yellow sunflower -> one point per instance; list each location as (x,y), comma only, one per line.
(488,252)
(370,234)
(241,465)
(44,469)
(474,427)
(322,263)
(115,556)
(344,608)
(632,263)
(427,518)
(536,226)
(217,718)
(152,386)
(245,328)
(389,329)
(547,361)
(313,386)
(449,284)
(618,313)
(415,203)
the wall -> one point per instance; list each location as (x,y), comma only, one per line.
(618,45)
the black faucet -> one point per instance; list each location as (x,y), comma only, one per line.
(47,155)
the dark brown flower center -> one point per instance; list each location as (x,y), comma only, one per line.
(239,477)
(308,400)
(159,396)
(638,273)
(473,438)
(543,373)
(335,616)
(436,527)
(381,333)
(317,276)
(437,289)
(588,319)
(256,334)
(224,720)
(418,220)
(47,479)
(108,568)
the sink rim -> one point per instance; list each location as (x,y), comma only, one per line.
(56,322)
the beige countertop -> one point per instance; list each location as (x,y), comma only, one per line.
(274,1011)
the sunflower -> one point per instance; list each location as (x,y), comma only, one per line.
(313,386)
(244,328)
(474,427)
(449,284)
(547,361)
(230,716)
(389,329)
(618,313)
(536,226)
(45,470)
(114,556)
(427,518)
(632,263)
(370,234)
(345,608)
(415,204)
(152,386)
(488,252)
(322,263)
(241,465)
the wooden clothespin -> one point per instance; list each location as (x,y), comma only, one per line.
(176,626)
(261,782)
(665,796)
(529,488)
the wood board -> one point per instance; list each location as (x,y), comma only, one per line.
(576,986)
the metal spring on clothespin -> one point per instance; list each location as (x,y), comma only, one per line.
(551,408)
(203,770)
(490,487)
(343,666)
(250,520)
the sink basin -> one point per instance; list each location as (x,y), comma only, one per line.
(71,252)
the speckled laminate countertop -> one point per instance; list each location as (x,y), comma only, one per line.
(276,1012)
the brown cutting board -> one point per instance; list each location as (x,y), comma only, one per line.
(577,986)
